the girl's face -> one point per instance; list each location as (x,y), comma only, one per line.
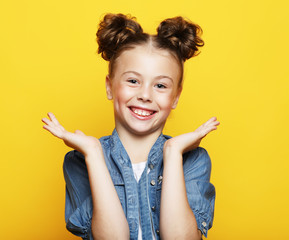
(144,89)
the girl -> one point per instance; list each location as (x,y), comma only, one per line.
(138,183)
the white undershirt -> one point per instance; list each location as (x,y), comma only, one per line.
(138,169)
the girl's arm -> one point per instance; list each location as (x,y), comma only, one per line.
(108,218)
(177,220)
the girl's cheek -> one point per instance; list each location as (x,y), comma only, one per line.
(166,102)
(121,90)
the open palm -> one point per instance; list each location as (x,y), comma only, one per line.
(189,141)
(77,140)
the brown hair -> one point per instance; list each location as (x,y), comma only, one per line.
(118,32)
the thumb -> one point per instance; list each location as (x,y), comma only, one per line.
(79,132)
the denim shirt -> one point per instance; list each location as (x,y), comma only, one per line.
(139,200)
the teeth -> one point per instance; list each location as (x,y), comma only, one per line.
(142,112)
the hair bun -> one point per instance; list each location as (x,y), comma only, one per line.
(181,34)
(115,30)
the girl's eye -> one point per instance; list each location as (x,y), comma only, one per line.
(159,85)
(132,81)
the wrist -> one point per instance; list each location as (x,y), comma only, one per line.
(171,155)
(171,148)
(93,152)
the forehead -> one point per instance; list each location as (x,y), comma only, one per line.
(147,61)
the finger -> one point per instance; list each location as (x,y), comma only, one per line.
(45,120)
(213,123)
(55,121)
(53,131)
(205,130)
(48,122)
(53,118)
(212,119)
(208,122)
(210,129)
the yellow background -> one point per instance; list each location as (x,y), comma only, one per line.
(49,63)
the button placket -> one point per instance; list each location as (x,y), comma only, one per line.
(204,224)
(160,179)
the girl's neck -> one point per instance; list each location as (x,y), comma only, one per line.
(137,146)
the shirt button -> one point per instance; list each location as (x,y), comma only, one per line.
(153,208)
(204,224)
(158,232)
(153,182)
(151,166)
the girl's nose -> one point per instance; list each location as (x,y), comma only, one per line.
(145,94)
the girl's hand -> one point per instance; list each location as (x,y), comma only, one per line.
(77,140)
(189,141)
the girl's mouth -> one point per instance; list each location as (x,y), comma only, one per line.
(142,112)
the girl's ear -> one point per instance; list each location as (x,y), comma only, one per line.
(108,87)
(175,103)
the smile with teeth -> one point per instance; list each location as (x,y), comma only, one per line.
(142,112)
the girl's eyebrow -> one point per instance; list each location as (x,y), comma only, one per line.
(164,76)
(138,74)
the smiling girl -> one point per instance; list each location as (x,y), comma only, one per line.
(138,183)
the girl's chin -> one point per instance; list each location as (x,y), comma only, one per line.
(142,131)
(140,128)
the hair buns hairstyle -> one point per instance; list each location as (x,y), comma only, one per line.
(181,34)
(118,32)
(114,31)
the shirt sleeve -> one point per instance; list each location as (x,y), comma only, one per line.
(78,201)
(79,223)
(200,192)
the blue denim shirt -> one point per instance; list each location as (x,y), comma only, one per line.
(139,200)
